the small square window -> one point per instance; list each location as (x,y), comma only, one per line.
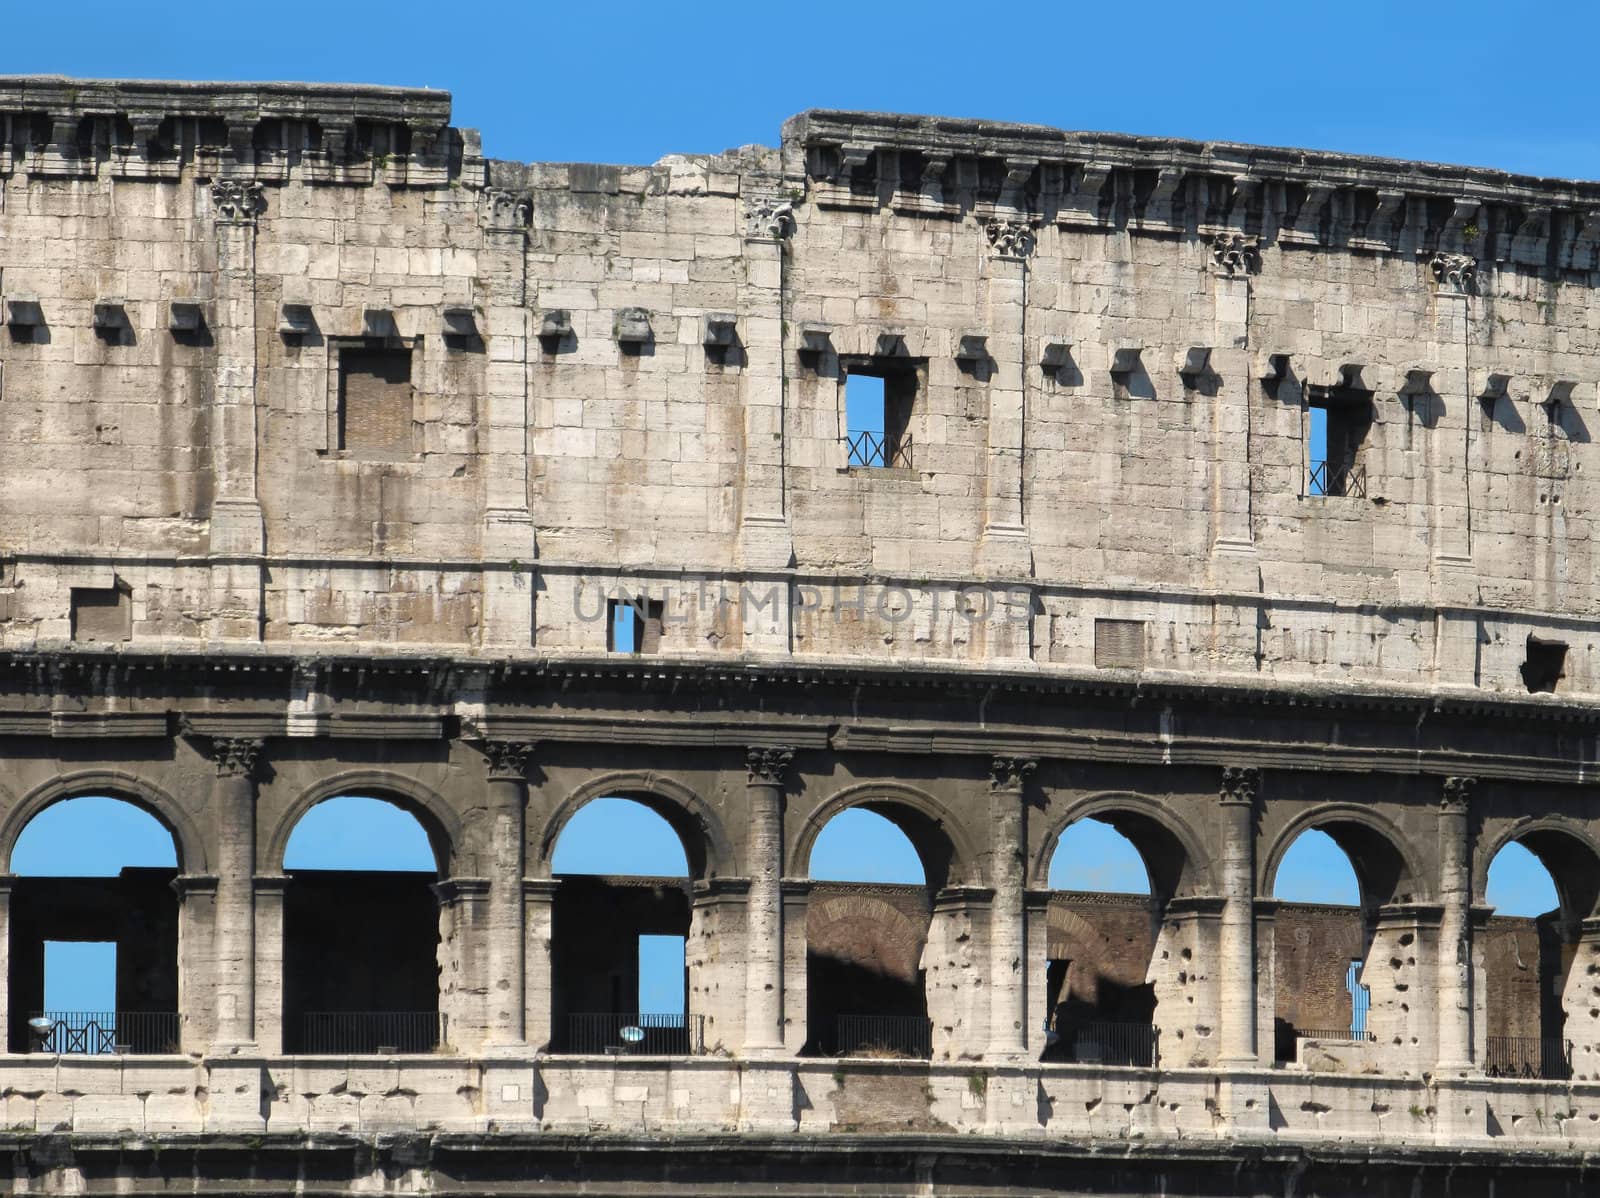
(1340,421)
(879,401)
(633,624)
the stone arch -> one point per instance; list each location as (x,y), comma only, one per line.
(705,843)
(438,819)
(1173,855)
(1564,847)
(1385,861)
(884,931)
(187,841)
(946,852)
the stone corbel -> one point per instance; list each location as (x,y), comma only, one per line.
(1080,206)
(1193,364)
(1579,252)
(1379,232)
(1246,198)
(1491,386)
(1158,210)
(1307,226)
(1530,243)
(1019,173)
(1462,231)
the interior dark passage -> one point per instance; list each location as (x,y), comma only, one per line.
(136,910)
(360,961)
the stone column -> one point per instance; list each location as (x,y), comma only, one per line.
(238,537)
(1237,966)
(765,542)
(538,910)
(954,961)
(508,534)
(197,922)
(1036,904)
(233,799)
(1455,927)
(1003,548)
(714,955)
(5,962)
(1265,927)
(269,963)
(763,1018)
(796,986)
(1008,944)
(506,798)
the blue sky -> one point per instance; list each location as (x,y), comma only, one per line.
(1465,82)
(1470,82)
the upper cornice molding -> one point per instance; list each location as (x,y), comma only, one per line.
(59,94)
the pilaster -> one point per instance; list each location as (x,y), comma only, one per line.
(234,957)
(765,539)
(1004,549)
(1237,989)
(506,799)
(1008,943)
(768,768)
(1455,1004)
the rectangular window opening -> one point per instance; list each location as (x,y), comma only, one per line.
(102,614)
(662,977)
(80,977)
(1544,666)
(1360,1000)
(879,401)
(375,399)
(1340,422)
(633,624)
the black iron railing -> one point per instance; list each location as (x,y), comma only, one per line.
(91,1032)
(885,1036)
(1331,478)
(1335,1035)
(1528,1056)
(879,449)
(1112,1044)
(666,1035)
(367,1033)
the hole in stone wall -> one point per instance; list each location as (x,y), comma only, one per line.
(1544,665)
(633,624)
(375,399)
(102,614)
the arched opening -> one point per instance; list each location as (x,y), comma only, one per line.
(1347,984)
(872,869)
(1115,971)
(94,931)
(361,930)
(621,923)
(1543,885)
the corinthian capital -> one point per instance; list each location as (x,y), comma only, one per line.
(1011,773)
(769,765)
(507,758)
(235,756)
(1009,238)
(1456,798)
(238,201)
(1240,784)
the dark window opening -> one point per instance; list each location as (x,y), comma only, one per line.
(102,614)
(633,624)
(1340,422)
(1544,666)
(879,401)
(375,400)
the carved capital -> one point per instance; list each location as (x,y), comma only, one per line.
(508,211)
(769,217)
(1011,773)
(1009,238)
(507,758)
(235,756)
(1236,254)
(1457,273)
(768,765)
(1456,798)
(1240,785)
(238,201)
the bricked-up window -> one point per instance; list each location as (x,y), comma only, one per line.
(880,397)
(1340,422)
(633,624)
(1119,644)
(102,614)
(375,400)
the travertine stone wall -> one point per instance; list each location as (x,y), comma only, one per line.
(633,377)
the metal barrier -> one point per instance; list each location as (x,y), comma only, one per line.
(669,1035)
(885,1036)
(878,450)
(1112,1044)
(1341,1035)
(93,1032)
(367,1033)
(1331,479)
(1528,1056)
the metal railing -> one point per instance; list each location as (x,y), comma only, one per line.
(365,1033)
(93,1032)
(885,1036)
(664,1035)
(879,450)
(1528,1056)
(1338,1035)
(1332,479)
(1112,1044)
